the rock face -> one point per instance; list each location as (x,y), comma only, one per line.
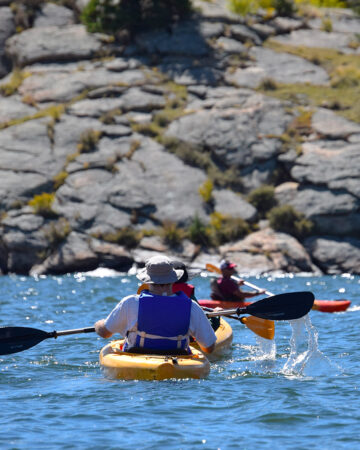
(123,137)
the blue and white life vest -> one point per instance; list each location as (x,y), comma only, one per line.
(163,322)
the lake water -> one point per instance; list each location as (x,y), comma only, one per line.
(299,392)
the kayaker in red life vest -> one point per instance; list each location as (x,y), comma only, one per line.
(157,320)
(189,289)
(182,284)
(226,288)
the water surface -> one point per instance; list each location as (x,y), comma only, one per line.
(299,392)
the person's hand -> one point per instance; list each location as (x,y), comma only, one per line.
(240,281)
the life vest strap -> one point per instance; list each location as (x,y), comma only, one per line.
(144,335)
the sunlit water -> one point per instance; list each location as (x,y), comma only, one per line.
(298,392)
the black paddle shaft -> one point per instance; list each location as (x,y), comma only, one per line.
(288,306)
(17,339)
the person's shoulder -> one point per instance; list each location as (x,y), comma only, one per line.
(195,307)
(129,300)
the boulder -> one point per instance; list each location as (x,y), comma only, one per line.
(335,255)
(268,251)
(51,14)
(52,43)
(73,255)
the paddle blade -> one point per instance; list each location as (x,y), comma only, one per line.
(288,306)
(212,268)
(17,339)
(262,327)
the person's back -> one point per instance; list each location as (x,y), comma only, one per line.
(158,320)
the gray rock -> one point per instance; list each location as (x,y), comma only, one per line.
(231,204)
(186,73)
(13,108)
(263,30)
(335,255)
(133,99)
(111,255)
(210,30)
(336,166)
(63,86)
(342,21)
(95,108)
(281,67)
(7,29)
(286,24)
(19,187)
(28,140)
(73,255)
(316,38)
(25,242)
(232,132)
(228,45)
(332,212)
(267,251)
(216,10)
(46,44)
(244,34)
(332,126)
(51,14)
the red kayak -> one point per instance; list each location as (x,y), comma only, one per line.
(329,306)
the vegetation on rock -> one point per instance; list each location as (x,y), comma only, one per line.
(128,17)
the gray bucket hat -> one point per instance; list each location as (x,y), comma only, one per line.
(159,270)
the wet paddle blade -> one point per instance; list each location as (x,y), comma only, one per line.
(262,327)
(212,268)
(288,306)
(17,339)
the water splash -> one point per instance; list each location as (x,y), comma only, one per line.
(306,360)
(266,348)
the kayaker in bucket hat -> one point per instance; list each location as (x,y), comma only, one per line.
(159,270)
(226,288)
(158,321)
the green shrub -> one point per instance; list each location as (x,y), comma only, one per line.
(226,229)
(268,84)
(198,232)
(59,179)
(326,25)
(172,234)
(206,190)
(132,16)
(15,81)
(285,8)
(245,7)
(128,237)
(88,141)
(286,219)
(42,205)
(56,232)
(263,199)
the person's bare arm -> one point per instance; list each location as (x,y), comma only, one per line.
(243,294)
(101,329)
(207,349)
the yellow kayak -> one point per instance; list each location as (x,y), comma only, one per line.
(117,364)
(224,338)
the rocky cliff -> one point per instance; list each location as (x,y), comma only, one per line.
(100,140)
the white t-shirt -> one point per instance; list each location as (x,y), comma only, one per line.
(123,319)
